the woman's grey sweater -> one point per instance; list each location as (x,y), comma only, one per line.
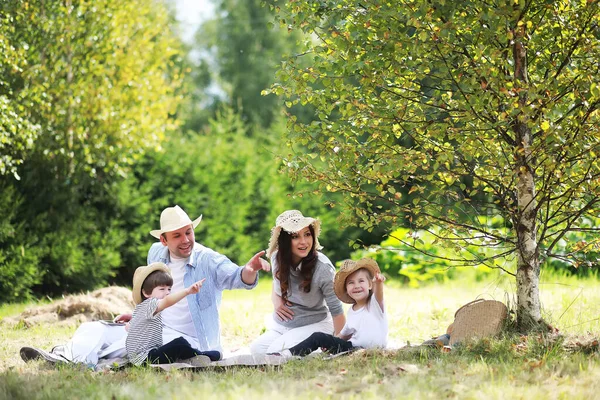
(311,307)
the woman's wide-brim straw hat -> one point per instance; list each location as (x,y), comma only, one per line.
(292,221)
(173,218)
(140,275)
(346,269)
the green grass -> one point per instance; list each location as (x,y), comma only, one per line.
(506,367)
(7,310)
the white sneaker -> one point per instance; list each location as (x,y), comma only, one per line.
(32,353)
(283,356)
(286,354)
(198,361)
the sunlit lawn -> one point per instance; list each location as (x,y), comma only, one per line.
(506,368)
(417,314)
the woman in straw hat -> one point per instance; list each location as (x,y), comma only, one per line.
(359,283)
(303,297)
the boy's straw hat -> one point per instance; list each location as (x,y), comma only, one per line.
(347,268)
(292,221)
(140,275)
(173,218)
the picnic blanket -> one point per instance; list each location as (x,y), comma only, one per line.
(32,353)
(248,360)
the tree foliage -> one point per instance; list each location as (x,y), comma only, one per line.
(85,89)
(102,74)
(17,131)
(89,93)
(476,108)
(242,47)
(233,180)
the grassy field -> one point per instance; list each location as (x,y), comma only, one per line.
(509,367)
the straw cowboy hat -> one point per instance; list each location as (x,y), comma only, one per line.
(347,268)
(173,218)
(292,221)
(140,275)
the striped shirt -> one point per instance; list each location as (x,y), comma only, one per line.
(145,331)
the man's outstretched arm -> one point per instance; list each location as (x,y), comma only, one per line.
(252,267)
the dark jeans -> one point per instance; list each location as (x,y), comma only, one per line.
(178,349)
(328,343)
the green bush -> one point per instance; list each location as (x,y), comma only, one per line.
(67,139)
(233,180)
(80,234)
(434,261)
(19,269)
(581,251)
(81,254)
(223,175)
(410,266)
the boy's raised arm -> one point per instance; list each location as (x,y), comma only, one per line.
(173,298)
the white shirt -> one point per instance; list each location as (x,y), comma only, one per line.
(367,326)
(178,317)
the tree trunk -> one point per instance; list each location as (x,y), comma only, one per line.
(529,314)
(528,262)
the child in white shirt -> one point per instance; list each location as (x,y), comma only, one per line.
(359,283)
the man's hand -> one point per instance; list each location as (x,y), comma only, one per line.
(122,318)
(257,263)
(195,288)
(251,269)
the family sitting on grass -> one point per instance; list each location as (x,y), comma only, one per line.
(176,318)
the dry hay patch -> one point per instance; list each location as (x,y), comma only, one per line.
(105,303)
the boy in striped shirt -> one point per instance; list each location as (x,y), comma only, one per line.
(152,294)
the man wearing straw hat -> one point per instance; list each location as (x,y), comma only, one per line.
(189,262)
(196,319)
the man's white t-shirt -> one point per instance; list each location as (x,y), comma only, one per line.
(367,326)
(178,317)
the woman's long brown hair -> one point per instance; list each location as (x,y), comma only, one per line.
(284,262)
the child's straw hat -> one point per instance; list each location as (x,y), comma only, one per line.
(348,267)
(140,275)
